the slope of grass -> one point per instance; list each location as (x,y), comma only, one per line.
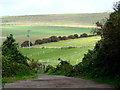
(80,42)
(51,55)
(83,19)
(38,32)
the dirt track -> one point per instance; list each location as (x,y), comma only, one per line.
(54,81)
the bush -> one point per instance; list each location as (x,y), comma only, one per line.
(13,62)
(54,39)
(104,59)
(50,69)
(11,52)
(60,37)
(71,37)
(84,35)
(26,44)
(63,68)
(11,68)
(39,41)
(64,38)
(46,40)
(76,35)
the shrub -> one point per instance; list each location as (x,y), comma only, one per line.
(71,37)
(11,52)
(46,40)
(26,44)
(104,59)
(39,41)
(13,62)
(54,39)
(84,35)
(63,68)
(64,38)
(60,37)
(76,35)
(11,68)
(36,65)
(50,69)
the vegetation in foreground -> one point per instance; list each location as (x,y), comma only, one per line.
(102,63)
(14,64)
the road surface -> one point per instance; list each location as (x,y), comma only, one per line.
(56,81)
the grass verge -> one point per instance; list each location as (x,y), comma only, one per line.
(17,78)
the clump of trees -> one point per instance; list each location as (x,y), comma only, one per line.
(39,41)
(71,37)
(64,38)
(84,35)
(76,35)
(13,61)
(56,39)
(104,59)
(26,44)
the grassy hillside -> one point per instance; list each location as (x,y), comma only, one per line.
(50,55)
(80,42)
(39,32)
(72,20)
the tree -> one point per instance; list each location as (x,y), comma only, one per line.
(26,44)
(11,52)
(104,59)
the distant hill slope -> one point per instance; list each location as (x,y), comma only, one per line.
(73,20)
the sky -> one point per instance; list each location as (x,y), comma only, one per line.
(33,7)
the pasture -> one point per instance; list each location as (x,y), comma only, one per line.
(39,32)
(71,20)
(52,52)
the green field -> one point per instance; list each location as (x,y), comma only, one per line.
(39,32)
(44,26)
(50,55)
(75,20)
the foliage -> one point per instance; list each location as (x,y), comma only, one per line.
(63,68)
(84,35)
(13,62)
(104,59)
(54,39)
(64,38)
(39,41)
(76,35)
(11,68)
(71,37)
(49,69)
(11,52)
(26,44)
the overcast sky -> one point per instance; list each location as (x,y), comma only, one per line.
(32,7)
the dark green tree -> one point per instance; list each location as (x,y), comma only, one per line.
(104,59)
(11,52)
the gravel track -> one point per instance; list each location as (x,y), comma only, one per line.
(55,81)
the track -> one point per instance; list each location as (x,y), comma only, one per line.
(55,81)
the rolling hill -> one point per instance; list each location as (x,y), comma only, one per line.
(69,20)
